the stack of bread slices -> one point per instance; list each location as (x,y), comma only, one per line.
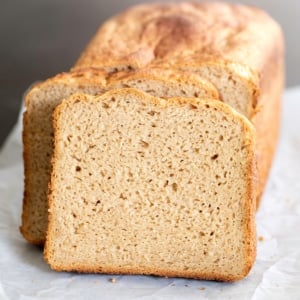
(151,155)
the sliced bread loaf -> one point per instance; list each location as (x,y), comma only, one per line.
(38,132)
(144,185)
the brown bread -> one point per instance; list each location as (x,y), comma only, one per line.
(144,185)
(163,50)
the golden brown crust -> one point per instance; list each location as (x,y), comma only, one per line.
(267,118)
(152,271)
(249,203)
(26,194)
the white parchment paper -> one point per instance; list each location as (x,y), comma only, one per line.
(275,275)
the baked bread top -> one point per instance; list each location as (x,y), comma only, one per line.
(185,33)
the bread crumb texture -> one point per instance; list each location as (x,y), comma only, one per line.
(141,185)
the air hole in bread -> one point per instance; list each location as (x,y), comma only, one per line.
(214,157)
(141,153)
(122,196)
(174,186)
(144,144)
(152,113)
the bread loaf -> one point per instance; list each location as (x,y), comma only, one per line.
(144,185)
(38,131)
(232,53)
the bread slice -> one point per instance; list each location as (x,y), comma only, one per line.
(165,83)
(144,185)
(238,48)
(38,132)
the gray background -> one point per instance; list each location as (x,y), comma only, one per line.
(39,38)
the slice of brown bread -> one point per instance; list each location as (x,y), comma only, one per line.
(144,185)
(37,133)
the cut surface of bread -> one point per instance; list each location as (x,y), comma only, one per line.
(38,132)
(144,185)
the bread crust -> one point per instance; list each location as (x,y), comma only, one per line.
(249,209)
(268,112)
